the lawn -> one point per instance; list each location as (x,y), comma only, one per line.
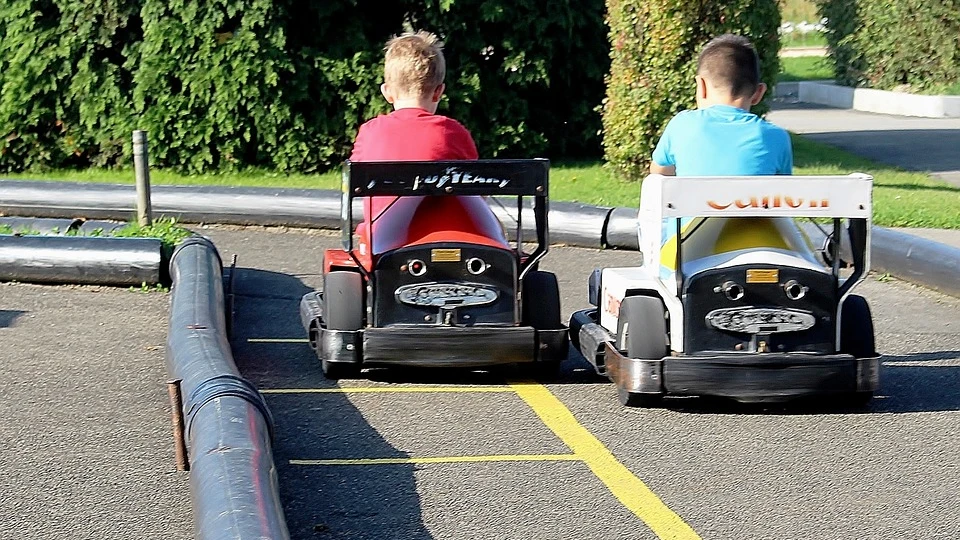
(901,198)
(805,68)
(800,39)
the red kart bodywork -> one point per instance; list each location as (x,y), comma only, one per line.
(410,221)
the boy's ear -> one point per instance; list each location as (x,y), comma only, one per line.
(701,88)
(437,92)
(387,93)
(758,94)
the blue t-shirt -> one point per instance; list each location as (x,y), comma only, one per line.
(722,140)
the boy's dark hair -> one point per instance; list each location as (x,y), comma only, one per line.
(731,62)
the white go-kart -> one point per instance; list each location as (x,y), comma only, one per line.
(738,295)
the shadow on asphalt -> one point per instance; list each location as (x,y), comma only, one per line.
(337,501)
(9,316)
(362,502)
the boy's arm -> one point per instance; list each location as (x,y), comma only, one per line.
(357,153)
(786,162)
(666,170)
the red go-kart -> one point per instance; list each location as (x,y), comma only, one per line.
(433,279)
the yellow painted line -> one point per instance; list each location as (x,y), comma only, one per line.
(389,389)
(441,459)
(278,340)
(626,487)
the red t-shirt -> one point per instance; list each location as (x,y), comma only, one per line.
(413,135)
(410,135)
(416,135)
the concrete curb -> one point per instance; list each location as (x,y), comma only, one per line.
(870,100)
(920,261)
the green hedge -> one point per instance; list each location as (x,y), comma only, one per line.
(65,90)
(654,48)
(283,84)
(911,45)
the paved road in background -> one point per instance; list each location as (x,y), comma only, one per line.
(918,144)
(728,471)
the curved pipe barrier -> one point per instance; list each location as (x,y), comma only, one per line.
(570,223)
(233,480)
(922,261)
(621,229)
(915,259)
(87,260)
(196,204)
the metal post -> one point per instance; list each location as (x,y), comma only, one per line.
(141,165)
(176,404)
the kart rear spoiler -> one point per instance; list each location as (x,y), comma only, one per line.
(494,177)
(480,177)
(819,197)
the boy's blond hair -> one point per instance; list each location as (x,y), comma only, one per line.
(414,65)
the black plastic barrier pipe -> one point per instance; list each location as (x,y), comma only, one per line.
(927,263)
(570,223)
(194,204)
(87,260)
(233,479)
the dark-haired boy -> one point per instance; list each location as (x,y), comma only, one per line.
(721,137)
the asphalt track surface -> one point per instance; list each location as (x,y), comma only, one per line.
(86,449)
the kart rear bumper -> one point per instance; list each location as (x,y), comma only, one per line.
(442,346)
(742,376)
(768,376)
(431,345)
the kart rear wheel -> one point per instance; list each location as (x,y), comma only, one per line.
(642,332)
(541,301)
(339,371)
(636,399)
(343,301)
(541,310)
(856,328)
(642,328)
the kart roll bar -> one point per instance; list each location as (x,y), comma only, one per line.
(492,177)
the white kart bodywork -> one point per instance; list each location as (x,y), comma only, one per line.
(778,198)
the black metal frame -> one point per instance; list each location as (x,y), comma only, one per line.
(857,230)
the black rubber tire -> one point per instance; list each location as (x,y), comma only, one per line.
(339,371)
(541,301)
(343,301)
(856,328)
(642,328)
(634,399)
